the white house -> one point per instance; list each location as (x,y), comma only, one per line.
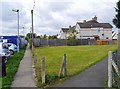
(66,32)
(63,33)
(92,29)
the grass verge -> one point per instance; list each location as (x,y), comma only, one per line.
(78,59)
(11,68)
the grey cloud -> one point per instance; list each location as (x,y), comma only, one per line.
(45,19)
(103,10)
(9,18)
(7,13)
(59,6)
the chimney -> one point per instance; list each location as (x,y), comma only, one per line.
(84,21)
(95,18)
(69,26)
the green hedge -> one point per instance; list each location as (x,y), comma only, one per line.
(11,68)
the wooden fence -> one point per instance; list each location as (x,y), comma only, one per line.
(61,42)
(113,70)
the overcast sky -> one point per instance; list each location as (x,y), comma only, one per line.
(51,15)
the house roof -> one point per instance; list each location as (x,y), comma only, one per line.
(73,27)
(92,21)
(65,29)
(93,24)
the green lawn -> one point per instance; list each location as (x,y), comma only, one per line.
(78,59)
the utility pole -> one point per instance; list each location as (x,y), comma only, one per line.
(32,29)
(23,32)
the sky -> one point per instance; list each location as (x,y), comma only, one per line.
(52,15)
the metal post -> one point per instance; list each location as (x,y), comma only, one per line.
(18,31)
(110,69)
(32,27)
(23,32)
(30,39)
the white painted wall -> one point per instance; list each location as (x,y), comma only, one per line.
(63,35)
(86,33)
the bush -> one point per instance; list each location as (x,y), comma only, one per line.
(71,41)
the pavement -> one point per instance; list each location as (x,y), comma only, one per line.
(94,76)
(25,75)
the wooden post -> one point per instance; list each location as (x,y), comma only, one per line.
(64,65)
(43,70)
(61,68)
(110,69)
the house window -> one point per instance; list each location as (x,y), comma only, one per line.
(98,29)
(102,34)
(107,38)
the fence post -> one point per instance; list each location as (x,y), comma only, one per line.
(64,66)
(110,69)
(43,70)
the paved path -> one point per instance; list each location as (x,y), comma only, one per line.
(24,77)
(95,76)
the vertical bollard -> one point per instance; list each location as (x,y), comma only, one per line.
(43,70)
(110,69)
(64,66)
(3,67)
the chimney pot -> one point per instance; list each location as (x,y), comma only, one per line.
(84,21)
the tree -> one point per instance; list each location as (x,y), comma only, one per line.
(116,20)
(72,37)
(71,40)
(44,36)
(29,35)
(52,37)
